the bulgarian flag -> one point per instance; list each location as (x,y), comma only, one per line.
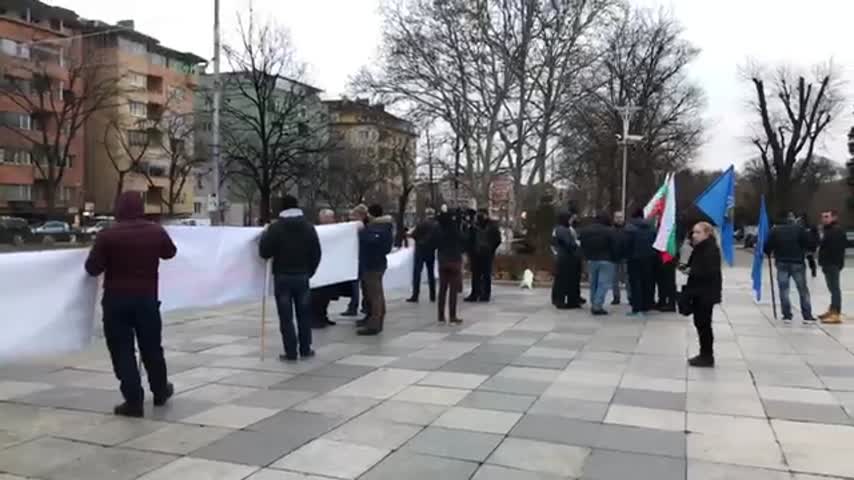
(662,208)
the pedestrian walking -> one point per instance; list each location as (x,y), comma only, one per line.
(485,238)
(788,244)
(424,235)
(565,288)
(292,242)
(375,242)
(704,289)
(449,242)
(831,257)
(641,258)
(599,244)
(129,254)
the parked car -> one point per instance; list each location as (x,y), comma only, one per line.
(14,230)
(94,229)
(751,233)
(52,227)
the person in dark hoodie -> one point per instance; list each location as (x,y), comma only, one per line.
(789,244)
(129,254)
(293,244)
(565,288)
(449,243)
(641,258)
(599,244)
(485,237)
(424,235)
(704,289)
(831,257)
(375,242)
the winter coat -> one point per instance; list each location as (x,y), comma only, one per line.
(564,245)
(129,252)
(705,282)
(833,245)
(292,243)
(640,236)
(485,238)
(425,235)
(375,241)
(789,243)
(599,243)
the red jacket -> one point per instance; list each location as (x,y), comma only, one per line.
(129,252)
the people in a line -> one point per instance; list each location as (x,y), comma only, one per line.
(449,243)
(599,244)
(620,275)
(641,258)
(424,235)
(322,296)
(359,214)
(566,283)
(831,257)
(788,244)
(704,289)
(485,237)
(129,254)
(375,242)
(292,242)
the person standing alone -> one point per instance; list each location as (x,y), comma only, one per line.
(599,244)
(789,244)
(424,235)
(375,242)
(831,257)
(129,254)
(292,243)
(484,241)
(704,289)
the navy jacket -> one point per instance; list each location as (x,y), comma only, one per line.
(640,236)
(292,243)
(789,243)
(375,241)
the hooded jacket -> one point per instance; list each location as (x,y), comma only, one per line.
(129,252)
(292,243)
(640,236)
(375,241)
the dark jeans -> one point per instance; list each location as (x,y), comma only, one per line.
(642,283)
(831,277)
(292,293)
(481,276)
(320,298)
(703,324)
(424,259)
(450,286)
(787,272)
(665,279)
(372,283)
(129,318)
(353,306)
(620,277)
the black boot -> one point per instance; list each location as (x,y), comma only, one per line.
(132,410)
(702,361)
(160,400)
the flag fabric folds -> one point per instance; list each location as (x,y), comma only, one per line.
(662,208)
(717,202)
(759,251)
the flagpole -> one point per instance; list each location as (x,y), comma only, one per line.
(773,294)
(267,268)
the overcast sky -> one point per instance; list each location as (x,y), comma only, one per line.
(337,37)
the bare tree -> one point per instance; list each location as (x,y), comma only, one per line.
(272,122)
(793,113)
(174,135)
(126,142)
(53,111)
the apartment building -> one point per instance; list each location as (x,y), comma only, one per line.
(36,41)
(139,134)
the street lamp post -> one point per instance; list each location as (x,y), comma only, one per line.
(626,112)
(215,140)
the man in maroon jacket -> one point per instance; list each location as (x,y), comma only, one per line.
(129,254)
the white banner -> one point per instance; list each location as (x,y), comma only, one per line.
(398,274)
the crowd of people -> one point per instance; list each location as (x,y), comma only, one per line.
(615,252)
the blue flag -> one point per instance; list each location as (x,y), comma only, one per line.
(717,202)
(759,250)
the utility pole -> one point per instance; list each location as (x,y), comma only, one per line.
(626,112)
(215,140)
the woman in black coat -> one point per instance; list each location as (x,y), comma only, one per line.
(704,289)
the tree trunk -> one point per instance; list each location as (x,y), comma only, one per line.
(264,213)
(401,211)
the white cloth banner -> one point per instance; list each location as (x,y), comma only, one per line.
(48,300)
(398,274)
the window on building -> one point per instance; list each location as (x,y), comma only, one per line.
(14,48)
(177,93)
(16,120)
(68,194)
(37,123)
(131,47)
(197,208)
(16,193)
(138,109)
(137,138)
(48,55)
(136,80)
(15,85)
(67,162)
(157,59)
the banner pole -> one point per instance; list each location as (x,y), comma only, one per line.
(264,305)
(773,293)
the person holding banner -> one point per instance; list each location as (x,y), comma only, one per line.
(704,289)
(293,244)
(375,242)
(831,257)
(789,244)
(129,254)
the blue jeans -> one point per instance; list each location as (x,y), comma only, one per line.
(796,272)
(601,280)
(831,276)
(292,292)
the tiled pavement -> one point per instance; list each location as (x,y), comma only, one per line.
(519,392)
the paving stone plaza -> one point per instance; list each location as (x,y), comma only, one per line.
(520,391)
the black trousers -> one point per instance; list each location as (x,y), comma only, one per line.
(129,319)
(566,286)
(481,276)
(320,299)
(422,260)
(703,324)
(642,283)
(665,279)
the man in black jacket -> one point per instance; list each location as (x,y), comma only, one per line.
(565,287)
(599,244)
(424,235)
(789,244)
(293,245)
(831,257)
(485,237)
(641,258)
